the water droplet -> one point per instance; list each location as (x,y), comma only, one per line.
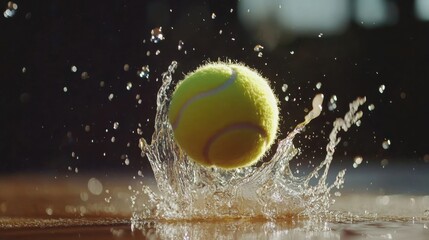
(49,211)
(260,54)
(403,95)
(231,10)
(115,125)
(12,5)
(157,52)
(87,128)
(113,139)
(139,131)
(180,45)
(386,144)
(220,32)
(102,83)
(95,186)
(381,88)
(129,86)
(371,107)
(24,70)
(318,85)
(284,87)
(292,52)
(332,104)
(358,123)
(73,69)
(320,35)
(156,35)
(258,48)
(213,15)
(126,67)
(84,76)
(111,96)
(65,89)
(144,72)
(337,194)
(357,161)
(127,161)
(10,10)
(384,163)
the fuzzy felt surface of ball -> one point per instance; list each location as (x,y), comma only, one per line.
(224,115)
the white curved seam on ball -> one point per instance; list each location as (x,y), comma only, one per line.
(205,94)
(233,127)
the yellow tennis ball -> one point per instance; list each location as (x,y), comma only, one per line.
(224,115)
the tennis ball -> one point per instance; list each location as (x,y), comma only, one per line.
(224,115)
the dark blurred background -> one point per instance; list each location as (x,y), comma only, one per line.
(70,70)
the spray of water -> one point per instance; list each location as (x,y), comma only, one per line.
(188,191)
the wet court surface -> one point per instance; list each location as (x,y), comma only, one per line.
(40,207)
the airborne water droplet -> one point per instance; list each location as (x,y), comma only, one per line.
(332,105)
(384,163)
(180,45)
(381,88)
(386,144)
(284,87)
(258,48)
(357,161)
(144,72)
(129,86)
(95,186)
(156,35)
(10,10)
(84,75)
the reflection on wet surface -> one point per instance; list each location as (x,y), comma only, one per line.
(230,229)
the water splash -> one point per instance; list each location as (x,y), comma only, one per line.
(188,191)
